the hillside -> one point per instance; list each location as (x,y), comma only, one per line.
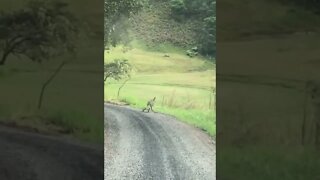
(155,42)
(154,25)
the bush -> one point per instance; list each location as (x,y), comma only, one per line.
(207,38)
(192,52)
(178,7)
(204,12)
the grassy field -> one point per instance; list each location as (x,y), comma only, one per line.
(181,84)
(265,163)
(71,105)
(261,129)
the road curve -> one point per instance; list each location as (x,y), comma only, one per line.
(154,146)
(29,156)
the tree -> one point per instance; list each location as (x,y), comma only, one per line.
(39,32)
(115,10)
(203,11)
(122,85)
(117,70)
(178,9)
(47,82)
(207,37)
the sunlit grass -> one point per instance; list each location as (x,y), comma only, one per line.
(152,62)
(182,85)
(191,105)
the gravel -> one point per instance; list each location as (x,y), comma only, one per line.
(155,146)
(29,156)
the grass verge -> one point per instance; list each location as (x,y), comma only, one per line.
(265,163)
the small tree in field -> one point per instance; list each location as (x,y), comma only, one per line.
(117,70)
(41,31)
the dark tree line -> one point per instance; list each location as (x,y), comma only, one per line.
(203,11)
(116,10)
(313,5)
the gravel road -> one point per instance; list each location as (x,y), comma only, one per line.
(154,146)
(29,156)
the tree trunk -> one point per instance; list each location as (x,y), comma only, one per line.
(4,58)
(162,101)
(317,135)
(303,126)
(317,124)
(210,101)
(122,87)
(45,84)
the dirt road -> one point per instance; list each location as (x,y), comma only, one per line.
(155,146)
(29,156)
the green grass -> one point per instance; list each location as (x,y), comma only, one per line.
(79,123)
(71,104)
(160,47)
(203,119)
(265,163)
(181,84)
(69,108)
(255,114)
(151,62)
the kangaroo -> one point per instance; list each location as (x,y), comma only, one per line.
(150,105)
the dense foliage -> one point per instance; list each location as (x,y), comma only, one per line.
(38,32)
(313,5)
(184,23)
(118,69)
(203,11)
(116,10)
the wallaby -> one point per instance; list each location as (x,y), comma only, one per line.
(150,105)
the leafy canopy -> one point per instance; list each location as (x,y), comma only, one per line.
(40,31)
(117,70)
(115,10)
(203,11)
